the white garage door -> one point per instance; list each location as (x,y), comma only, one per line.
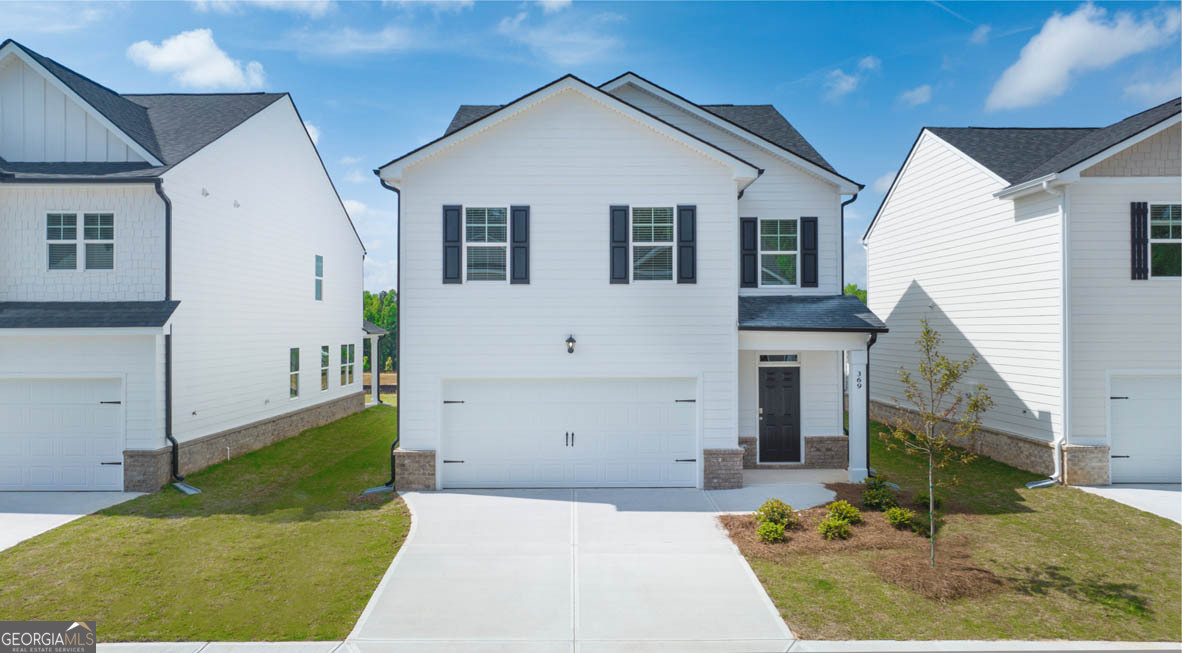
(570,433)
(56,434)
(1146,414)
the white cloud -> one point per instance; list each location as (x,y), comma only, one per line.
(917,96)
(980,36)
(196,61)
(569,40)
(869,63)
(436,6)
(348,40)
(553,6)
(51,17)
(350,160)
(311,8)
(883,183)
(1156,91)
(355,208)
(380,273)
(313,132)
(1086,39)
(839,83)
(355,176)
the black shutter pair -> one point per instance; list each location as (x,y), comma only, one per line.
(749,252)
(686,222)
(1139,237)
(453,242)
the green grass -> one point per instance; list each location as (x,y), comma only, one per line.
(1076,566)
(277,547)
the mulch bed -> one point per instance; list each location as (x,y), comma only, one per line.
(908,566)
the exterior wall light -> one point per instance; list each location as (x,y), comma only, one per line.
(570,344)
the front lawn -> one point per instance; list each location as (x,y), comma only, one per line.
(1072,566)
(279,546)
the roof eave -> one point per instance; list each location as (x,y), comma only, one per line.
(866,329)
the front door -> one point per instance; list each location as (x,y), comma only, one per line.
(779,414)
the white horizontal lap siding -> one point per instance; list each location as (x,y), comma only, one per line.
(38,122)
(245,276)
(570,158)
(784,190)
(138,274)
(985,272)
(130,358)
(1116,323)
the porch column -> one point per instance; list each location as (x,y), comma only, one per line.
(857,467)
(375,372)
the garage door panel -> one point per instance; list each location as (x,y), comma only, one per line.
(1145,413)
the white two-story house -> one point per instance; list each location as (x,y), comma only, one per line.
(614,286)
(1055,255)
(179,282)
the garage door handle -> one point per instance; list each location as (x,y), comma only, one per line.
(686,460)
(566,439)
(118,463)
(110,402)
(1120,456)
(1118,397)
(572,438)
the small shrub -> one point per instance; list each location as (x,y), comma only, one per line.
(900,517)
(777,512)
(770,531)
(844,511)
(879,498)
(834,529)
(921,500)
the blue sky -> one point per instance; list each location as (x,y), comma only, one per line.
(857,79)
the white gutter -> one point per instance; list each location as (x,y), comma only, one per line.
(1025,188)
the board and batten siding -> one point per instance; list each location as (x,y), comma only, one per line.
(569,158)
(38,122)
(1116,323)
(986,274)
(138,274)
(784,190)
(821,411)
(250,213)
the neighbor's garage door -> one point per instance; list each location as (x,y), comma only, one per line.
(56,434)
(570,433)
(1146,414)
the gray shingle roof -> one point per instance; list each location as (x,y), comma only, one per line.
(807,313)
(372,329)
(187,122)
(84,315)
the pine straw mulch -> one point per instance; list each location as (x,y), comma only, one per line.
(908,566)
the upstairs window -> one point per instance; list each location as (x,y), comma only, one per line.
(652,243)
(294,372)
(486,234)
(324,368)
(61,232)
(779,247)
(319,277)
(1165,240)
(98,231)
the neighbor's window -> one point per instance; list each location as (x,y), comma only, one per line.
(294,370)
(352,351)
(61,230)
(652,244)
(319,277)
(324,367)
(486,233)
(98,230)
(1165,240)
(778,246)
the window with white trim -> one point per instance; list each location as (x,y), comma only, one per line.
(347,354)
(324,367)
(98,234)
(779,249)
(652,243)
(294,372)
(1165,240)
(319,277)
(486,238)
(61,232)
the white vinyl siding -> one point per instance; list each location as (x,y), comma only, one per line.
(652,243)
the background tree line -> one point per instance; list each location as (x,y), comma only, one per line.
(382,309)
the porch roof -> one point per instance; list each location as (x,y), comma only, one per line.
(807,313)
(84,315)
(372,329)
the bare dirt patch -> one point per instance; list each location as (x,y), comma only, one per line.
(953,577)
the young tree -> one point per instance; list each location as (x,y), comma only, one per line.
(939,416)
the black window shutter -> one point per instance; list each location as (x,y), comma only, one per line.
(452,244)
(687,244)
(1139,218)
(519,244)
(619,244)
(808,252)
(749,252)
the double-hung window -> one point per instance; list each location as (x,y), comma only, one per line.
(324,367)
(486,237)
(347,354)
(779,249)
(1165,240)
(61,232)
(294,372)
(652,243)
(319,278)
(98,231)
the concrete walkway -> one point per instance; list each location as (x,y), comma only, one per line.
(1161,499)
(28,514)
(793,647)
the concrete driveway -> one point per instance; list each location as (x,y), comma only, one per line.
(562,570)
(28,514)
(1161,499)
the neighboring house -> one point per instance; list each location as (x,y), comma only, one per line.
(614,286)
(173,266)
(1055,255)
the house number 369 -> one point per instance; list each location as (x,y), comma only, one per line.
(858,380)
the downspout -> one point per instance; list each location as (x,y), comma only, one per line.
(397,330)
(869,343)
(843,205)
(176,463)
(1065,345)
(167,239)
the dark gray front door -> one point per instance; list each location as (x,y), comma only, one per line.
(779,414)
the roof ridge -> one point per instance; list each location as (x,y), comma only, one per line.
(1009,128)
(127,95)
